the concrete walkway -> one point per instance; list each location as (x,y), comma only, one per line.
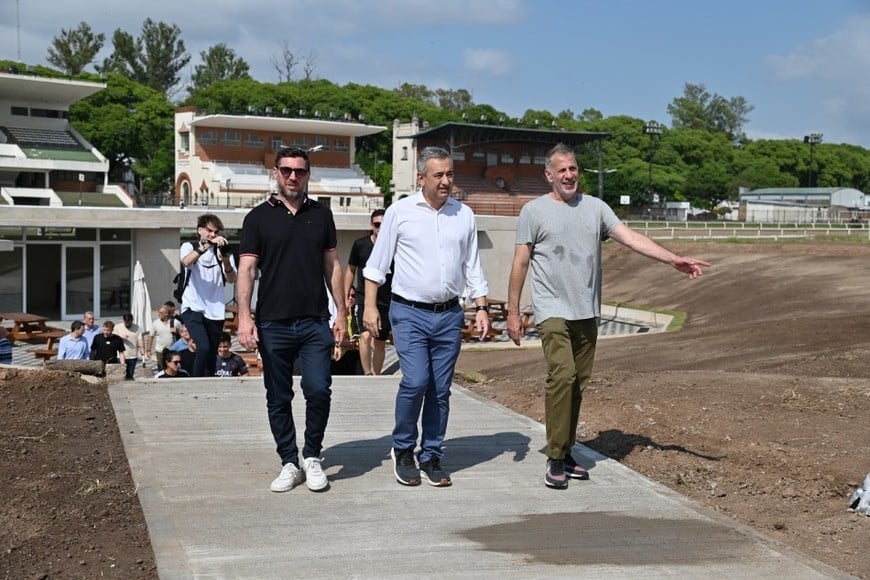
(202,458)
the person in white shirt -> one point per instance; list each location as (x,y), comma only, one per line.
(203,309)
(432,240)
(134,344)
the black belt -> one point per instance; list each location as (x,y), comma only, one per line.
(431,307)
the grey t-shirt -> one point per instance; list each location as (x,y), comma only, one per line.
(565,240)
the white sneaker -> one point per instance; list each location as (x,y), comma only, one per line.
(314,476)
(289,478)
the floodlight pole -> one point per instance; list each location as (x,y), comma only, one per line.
(812,140)
(653,129)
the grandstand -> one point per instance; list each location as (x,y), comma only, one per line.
(43,159)
(498,169)
(227,160)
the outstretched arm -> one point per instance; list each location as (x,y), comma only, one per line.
(646,247)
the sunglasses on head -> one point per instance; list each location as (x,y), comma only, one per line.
(288,171)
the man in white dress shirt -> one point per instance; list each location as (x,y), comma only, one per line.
(432,240)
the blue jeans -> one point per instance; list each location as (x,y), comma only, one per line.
(427,344)
(281,343)
(207,334)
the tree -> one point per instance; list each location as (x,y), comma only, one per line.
(219,63)
(74,49)
(285,64)
(155,59)
(130,123)
(698,109)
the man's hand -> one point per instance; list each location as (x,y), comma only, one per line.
(372,320)
(247,332)
(514,327)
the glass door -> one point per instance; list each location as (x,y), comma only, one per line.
(79,282)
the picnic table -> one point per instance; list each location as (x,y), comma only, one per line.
(30,327)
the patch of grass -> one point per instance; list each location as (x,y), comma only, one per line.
(678,317)
(91,486)
(471,376)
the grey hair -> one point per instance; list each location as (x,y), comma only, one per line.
(430,153)
(558,149)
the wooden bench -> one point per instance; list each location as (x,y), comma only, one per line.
(253,361)
(44,353)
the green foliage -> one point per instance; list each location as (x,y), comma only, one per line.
(74,49)
(219,63)
(130,123)
(698,109)
(155,59)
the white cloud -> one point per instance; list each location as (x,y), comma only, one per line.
(491,62)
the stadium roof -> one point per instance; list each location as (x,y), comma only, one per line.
(459,135)
(42,91)
(257,123)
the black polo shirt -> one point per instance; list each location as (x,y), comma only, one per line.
(289,250)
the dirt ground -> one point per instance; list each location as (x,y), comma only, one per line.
(757,408)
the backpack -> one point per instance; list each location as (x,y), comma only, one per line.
(182,279)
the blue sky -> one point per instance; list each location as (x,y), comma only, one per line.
(803,64)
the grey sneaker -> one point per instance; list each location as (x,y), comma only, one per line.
(555,477)
(314,476)
(289,478)
(405,466)
(433,473)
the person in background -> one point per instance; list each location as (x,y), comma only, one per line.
(429,240)
(134,344)
(291,239)
(560,235)
(108,346)
(173,311)
(372,348)
(173,369)
(229,364)
(186,347)
(74,346)
(92,329)
(5,348)
(203,309)
(162,335)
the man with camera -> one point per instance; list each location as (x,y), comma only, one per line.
(203,309)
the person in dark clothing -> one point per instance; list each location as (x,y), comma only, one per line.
(173,368)
(108,347)
(372,348)
(229,364)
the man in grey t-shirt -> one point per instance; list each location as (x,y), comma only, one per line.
(560,235)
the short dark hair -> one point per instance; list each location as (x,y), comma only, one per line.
(292,152)
(209,218)
(225,337)
(128,317)
(76,325)
(376,213)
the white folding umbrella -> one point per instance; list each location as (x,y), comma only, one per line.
(141,307)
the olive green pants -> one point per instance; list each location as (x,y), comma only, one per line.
(569,348)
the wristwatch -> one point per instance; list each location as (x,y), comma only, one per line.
(485,308)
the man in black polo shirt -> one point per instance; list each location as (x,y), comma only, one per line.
(292,240)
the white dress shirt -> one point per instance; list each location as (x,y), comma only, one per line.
(434,252)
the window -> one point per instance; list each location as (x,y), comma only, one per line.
(478,155)
(19,111)
(253,140)
(208,138)
(185,141)
(507,158)
(341,145)
(458,155)
(300,141)
(277,143)
(323,142)
(231,138)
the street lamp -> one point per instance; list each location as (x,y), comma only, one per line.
(812,140)
(653,129)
